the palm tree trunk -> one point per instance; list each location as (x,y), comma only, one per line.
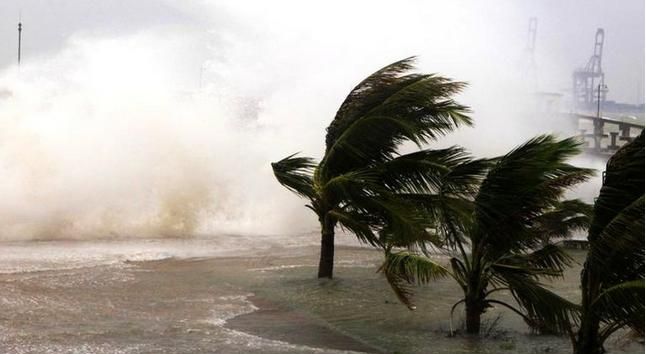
(587,340)
(474,300)
(473,311)
(326,263)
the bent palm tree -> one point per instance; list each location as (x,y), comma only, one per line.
(499,234)
(360,182)
(612,281)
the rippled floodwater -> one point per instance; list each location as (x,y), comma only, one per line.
(187,297)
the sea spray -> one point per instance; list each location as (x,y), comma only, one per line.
(168,130)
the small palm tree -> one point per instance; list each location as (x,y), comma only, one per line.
(612,281)
(360,182)
(499,234)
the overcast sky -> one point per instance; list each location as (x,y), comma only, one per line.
(565,28)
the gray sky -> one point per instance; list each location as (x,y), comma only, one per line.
(565,30)
(48,24)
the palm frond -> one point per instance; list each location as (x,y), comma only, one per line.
(402,289)
(354,223)
(521,186)
(460,273)
(618,252)
(414,268)
(450,170)
(403,269)
(465,178)
(295,173)
(623,303)
(369,92)
(624,182)
(420,171)
(405,223)
(563,218)
(549,260)
(447,196)
(548,311)
(387,109)
(612,279)
(450,216)
(350,185)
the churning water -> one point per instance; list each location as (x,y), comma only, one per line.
(188,296)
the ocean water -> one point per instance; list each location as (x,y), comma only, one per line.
(198,296)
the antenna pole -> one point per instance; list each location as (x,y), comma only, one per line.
(19,40)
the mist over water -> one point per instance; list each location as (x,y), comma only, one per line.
(168,130)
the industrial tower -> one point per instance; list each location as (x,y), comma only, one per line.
(588,90)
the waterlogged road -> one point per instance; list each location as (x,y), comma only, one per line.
(184,298)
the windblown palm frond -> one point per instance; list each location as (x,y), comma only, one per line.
(387,109)
(549,260)
(620,243)
(357,224)
(612,280)
(622,305)
(421,171)
(295,173)
(564,218)
(523,185)
(617,231)
(446,200)
(402,269)
(543,310)
(405,225)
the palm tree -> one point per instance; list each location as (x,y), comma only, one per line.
(612,281)
(499,234)
(361,178)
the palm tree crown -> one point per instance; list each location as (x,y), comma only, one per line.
(362,181)
(498,233)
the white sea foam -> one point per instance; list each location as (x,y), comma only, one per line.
(57,255)
(20,256)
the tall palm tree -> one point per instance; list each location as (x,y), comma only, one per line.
(499,234)
(612,281)
(360,182)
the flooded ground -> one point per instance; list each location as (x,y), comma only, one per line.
(188,297)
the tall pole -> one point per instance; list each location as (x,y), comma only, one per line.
(19,40)
(598,123)
(599,101)
(601,88)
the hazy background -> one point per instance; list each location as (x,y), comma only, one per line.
(159,118)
